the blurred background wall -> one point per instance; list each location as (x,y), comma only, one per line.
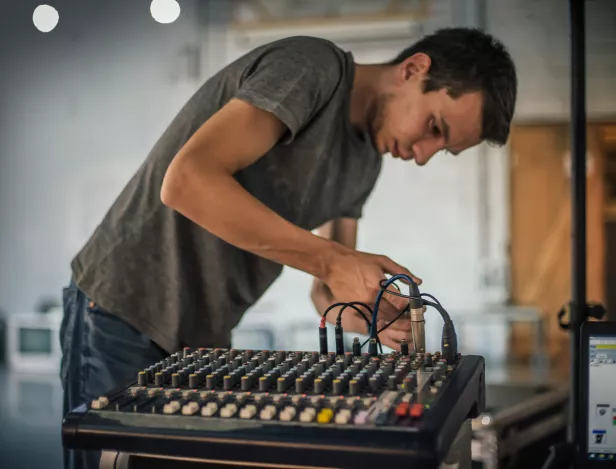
(81,106)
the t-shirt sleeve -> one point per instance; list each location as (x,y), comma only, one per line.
(293,79)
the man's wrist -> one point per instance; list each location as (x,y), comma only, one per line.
(328,258)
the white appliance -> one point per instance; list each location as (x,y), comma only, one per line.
(33,341)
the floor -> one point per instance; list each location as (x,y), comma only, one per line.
(31,414)
(30,419)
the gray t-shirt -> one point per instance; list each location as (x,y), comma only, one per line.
(174,281)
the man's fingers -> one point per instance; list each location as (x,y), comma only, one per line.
(391,344)
(398,302)
(387,310)
(397,335)
(393,268)
(402,324)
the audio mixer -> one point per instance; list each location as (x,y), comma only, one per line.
(288,408)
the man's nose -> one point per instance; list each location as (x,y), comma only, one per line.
(425,150)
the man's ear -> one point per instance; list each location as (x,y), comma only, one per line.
(416,66)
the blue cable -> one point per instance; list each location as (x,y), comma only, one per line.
(375,312)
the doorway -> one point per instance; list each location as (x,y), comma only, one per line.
(540,224)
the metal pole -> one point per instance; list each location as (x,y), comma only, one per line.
(578,221)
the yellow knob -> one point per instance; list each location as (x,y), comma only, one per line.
(325,416)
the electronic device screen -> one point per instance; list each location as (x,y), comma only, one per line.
(601,397)
(33,340)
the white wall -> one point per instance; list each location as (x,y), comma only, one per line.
(81,107)
(537,33)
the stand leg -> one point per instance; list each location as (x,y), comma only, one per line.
(459,456)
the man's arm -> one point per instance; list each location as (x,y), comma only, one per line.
(344,232)
(199,184)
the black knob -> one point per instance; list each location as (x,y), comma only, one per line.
(428,360)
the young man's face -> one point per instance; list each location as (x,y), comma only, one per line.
(414,125)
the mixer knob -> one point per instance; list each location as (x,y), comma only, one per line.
(142,378)
(409,383)
(343,417)
(264,383)
(392,383)
(319,386)
(175,380)
(191,408)
(228,411)
(248,412)
(283,383)
(268,412)
(339,386)
(300,385)
(228,382)
(171,407)
(287,414)
(209,409)
(246,383)
(427,360)
(307,415)
(375,383)
(210,381)
(186,351)
(159,379)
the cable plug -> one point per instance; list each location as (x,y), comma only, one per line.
(339,339)
(323,337)
(372,349)
(449,343)
(356,347)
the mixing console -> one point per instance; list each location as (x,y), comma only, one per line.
(287,407)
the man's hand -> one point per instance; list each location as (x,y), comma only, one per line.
(352,321)
(357,276)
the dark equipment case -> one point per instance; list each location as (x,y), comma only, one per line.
(518,426)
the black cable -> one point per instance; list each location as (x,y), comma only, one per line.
(354,305)
(402,295)
(351,305)
(386,326)
(427,295)
(441,310)
(449,340)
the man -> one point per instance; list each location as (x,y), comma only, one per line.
(286,139)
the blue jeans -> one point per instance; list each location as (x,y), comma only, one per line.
(100,352)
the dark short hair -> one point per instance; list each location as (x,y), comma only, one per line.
(468,60)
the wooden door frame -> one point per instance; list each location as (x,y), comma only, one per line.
(593,126)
